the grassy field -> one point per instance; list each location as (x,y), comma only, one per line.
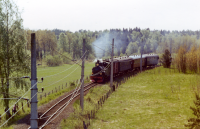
(53,77)
(157,98)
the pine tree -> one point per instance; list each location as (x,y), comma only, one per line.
(166,59)
(195,122)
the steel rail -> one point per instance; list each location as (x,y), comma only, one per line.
(60,101)
(65,105)
(41,117)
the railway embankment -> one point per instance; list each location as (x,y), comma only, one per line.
(156,98)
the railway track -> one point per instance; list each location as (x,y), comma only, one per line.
(57,108)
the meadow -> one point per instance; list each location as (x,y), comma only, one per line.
(156,98)
(53,78)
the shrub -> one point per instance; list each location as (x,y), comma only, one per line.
(72,84)
(192,59)
(181,59)
(188,60)
(53,60)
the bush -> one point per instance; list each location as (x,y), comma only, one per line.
(192,60)
(181,59)
(53,60)
(188,61)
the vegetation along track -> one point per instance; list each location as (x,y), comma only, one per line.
(57,108)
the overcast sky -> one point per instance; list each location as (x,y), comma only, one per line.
(94,15)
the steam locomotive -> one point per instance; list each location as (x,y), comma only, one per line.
(121,65)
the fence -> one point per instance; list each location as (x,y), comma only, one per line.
(91,114)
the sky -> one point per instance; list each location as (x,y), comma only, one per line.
(98,15)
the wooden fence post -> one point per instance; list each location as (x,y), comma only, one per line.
(113,87)
(17,106)
(27,103)
(22,106)
(84,126)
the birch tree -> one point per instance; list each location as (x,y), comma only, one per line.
(14,61)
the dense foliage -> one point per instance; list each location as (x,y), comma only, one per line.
(98,43)
(14,59)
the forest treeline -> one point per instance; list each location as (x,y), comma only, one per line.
(98,43)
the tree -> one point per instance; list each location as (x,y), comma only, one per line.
(166,59)
(63,42)
(14,61)
(70,40)
(195,122)
(132,48)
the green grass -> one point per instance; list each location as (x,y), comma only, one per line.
(156,98)
(60,77)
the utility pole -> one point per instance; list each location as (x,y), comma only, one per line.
(111,73)
(82,75)
(34,113)
(142,47)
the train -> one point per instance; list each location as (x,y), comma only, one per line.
(121,65)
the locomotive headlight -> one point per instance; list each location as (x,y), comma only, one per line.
(100,73)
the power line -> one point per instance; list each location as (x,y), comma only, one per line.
(66,69)
(102,70)
(13,95)
(99,48)
(19,99)
(65,105)
(65,56)
(62,78)
(44,87)
(16,112)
